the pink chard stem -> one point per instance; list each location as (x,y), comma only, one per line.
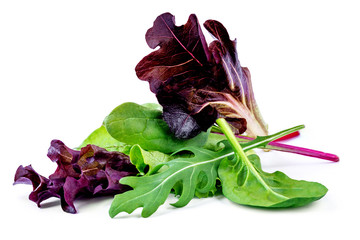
(298,150)
(289,136)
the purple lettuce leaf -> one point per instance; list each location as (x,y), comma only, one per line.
(182,59)
(196,83)
(238,96)
(90,172)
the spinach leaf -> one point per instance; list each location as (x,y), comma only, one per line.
(244,182)
(101,138)
(135,124)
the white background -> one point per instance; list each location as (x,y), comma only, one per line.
(64,65)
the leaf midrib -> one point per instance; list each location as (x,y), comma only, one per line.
(177,172)
(257,175)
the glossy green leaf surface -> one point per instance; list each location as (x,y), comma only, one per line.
(135,124)
(244,182)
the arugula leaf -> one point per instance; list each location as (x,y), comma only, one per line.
(147,161)
(135,124)
(151,191)
(244,182)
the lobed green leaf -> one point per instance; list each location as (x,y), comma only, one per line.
(197,173)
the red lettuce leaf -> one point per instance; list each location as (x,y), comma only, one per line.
(238,96)
(196,83)
(90,172)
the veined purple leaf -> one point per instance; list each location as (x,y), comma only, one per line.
(183,51)
(90,172)
(240,93)
(196,83)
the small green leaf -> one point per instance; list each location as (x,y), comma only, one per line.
(143,159)
(135,124)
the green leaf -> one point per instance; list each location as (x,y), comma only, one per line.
(101,138)
(147,162)
(154,106)
(215,142)
(244,182)
(197,176)
(135,124)
(143,159)
(197,173)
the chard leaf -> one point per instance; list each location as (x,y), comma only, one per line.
(244,182)
(131,123)
(186,175)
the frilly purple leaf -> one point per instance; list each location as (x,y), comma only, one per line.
(90,172)
(195,82)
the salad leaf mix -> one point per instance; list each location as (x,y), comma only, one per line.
(189,145)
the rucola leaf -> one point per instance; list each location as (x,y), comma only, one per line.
(196,83)
(198,173)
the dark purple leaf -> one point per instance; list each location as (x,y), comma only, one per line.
(196,83)
(90,172)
